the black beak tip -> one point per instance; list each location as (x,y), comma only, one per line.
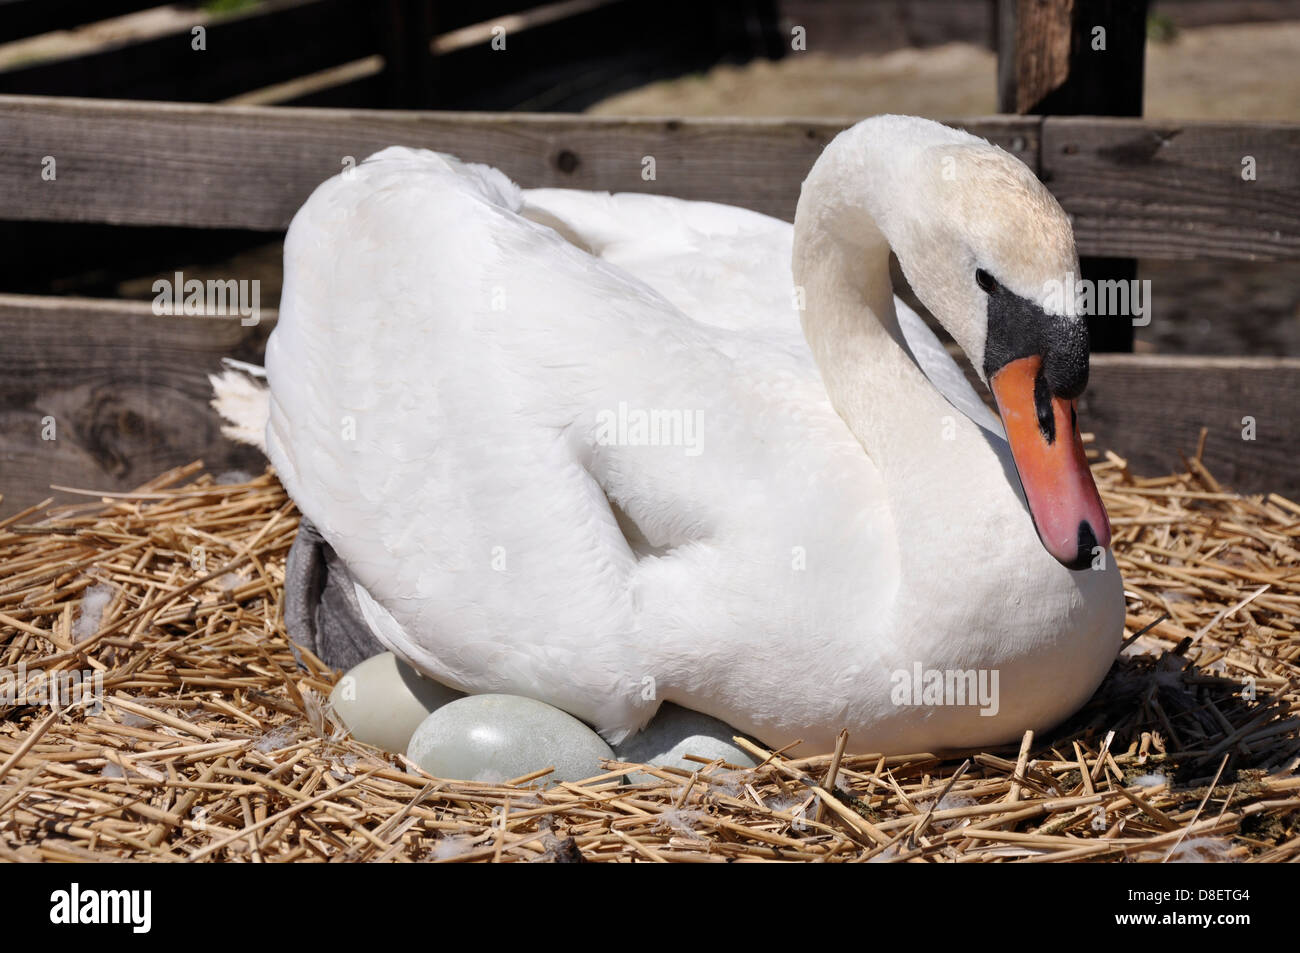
(1087,541)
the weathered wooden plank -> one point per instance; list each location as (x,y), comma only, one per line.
(1034,59)
(1072,57)
(252,167)
(128,394)
(1149,408)
(1135,188)
(22,18)
(1165,189)
(283,39)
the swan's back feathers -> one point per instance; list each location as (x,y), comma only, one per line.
(391,164)
(724,266)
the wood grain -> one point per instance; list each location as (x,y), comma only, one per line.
(1134,187)
(252,167)
(1072,57)
(129,394)
(1164,189)
(127,391)
(1037,61)
(1151,408)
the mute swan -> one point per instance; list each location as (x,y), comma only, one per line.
(470,387)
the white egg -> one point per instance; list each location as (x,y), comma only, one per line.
(383,700)
(495,738)
(675,732)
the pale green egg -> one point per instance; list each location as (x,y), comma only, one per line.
(675,732)
(383,700)
(494,738)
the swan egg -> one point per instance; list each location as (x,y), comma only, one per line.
(383,700)
(675,732)
(494,738)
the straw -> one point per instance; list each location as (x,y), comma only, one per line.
(210,744)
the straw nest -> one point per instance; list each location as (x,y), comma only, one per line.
(214,740)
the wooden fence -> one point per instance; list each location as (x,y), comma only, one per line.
(395,53)
(128,389)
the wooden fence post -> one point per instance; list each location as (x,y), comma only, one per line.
(406,30)
(1075,58)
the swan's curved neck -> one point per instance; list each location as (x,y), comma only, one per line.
(932,458)
(854,195)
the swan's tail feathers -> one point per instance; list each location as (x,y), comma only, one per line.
(243,399)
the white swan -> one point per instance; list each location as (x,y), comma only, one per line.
(460,368)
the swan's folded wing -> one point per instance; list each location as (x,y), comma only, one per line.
(435,375)
(942,370)
(724,266)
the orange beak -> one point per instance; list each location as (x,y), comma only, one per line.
(1044,436)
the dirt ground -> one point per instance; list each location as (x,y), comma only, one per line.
(1239,71)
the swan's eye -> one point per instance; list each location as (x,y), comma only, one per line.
(986,281)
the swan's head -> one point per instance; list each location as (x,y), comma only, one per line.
(993,258)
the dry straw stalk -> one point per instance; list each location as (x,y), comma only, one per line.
(215,741)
